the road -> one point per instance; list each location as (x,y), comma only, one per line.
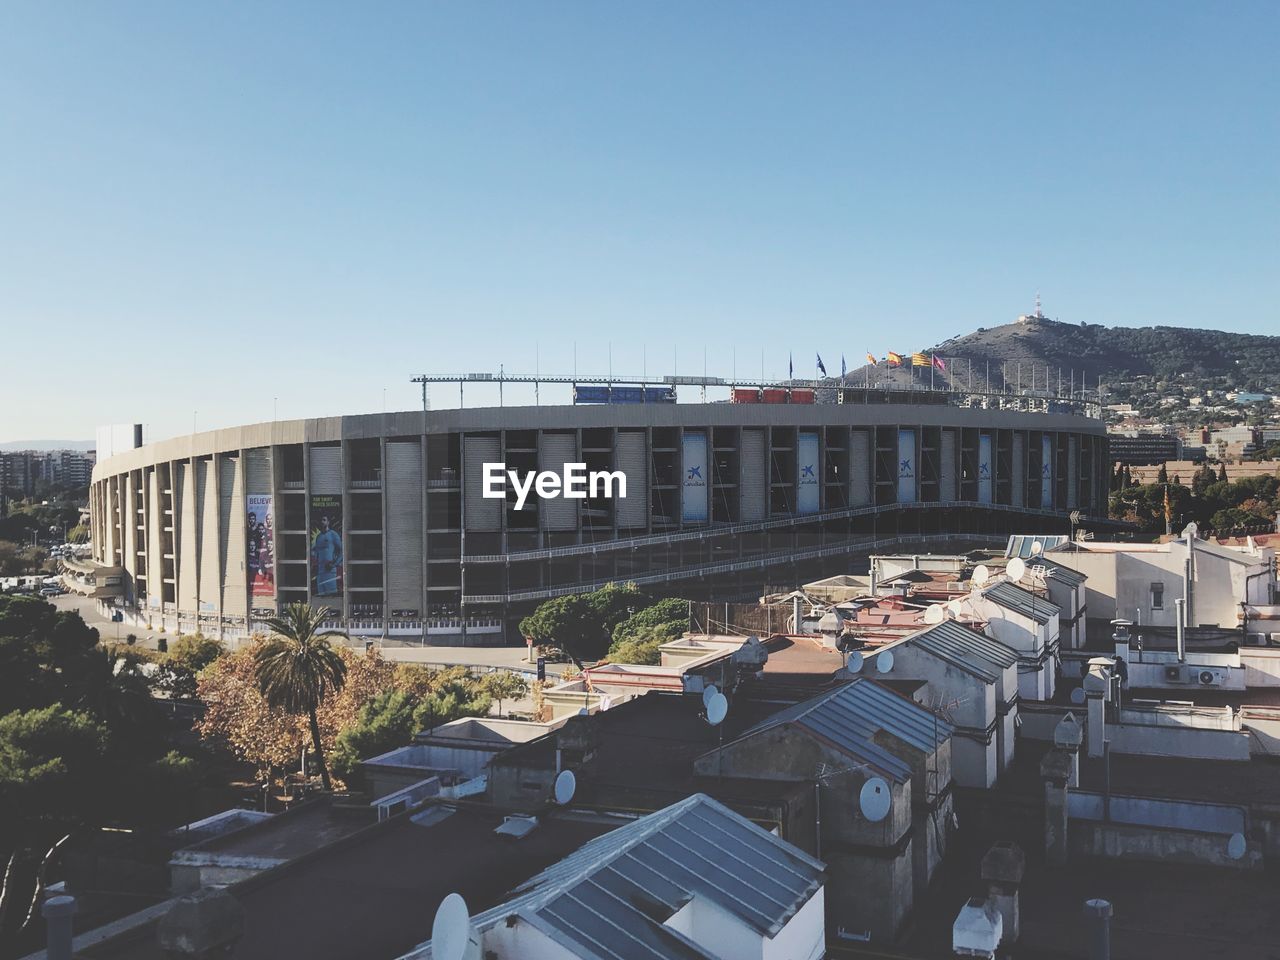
(471,656)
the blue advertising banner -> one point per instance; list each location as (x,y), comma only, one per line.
(807,498)
(695,483)
(907,466)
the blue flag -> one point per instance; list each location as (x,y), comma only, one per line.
(843,369)
(821,367)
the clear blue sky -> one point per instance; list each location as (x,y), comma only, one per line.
(208,206)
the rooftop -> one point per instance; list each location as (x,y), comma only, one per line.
(379,889)
(611,899)
(966,649)
(851,716)
(1015,598)
(287,835)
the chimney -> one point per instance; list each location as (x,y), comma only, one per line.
(57,913)
(1097,690)
(1097,915)
(1002,870)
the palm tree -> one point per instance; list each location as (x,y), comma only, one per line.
(298,666)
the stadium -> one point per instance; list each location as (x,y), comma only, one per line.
(388,519)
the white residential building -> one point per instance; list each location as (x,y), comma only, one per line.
(1141,581)
(973,682)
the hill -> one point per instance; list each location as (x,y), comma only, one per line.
(1116,354)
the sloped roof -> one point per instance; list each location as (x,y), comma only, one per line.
(1013,597)
(1065,574)
(610,899)
(966,649)
(850,715)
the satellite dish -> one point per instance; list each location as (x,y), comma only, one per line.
(1077,696)
(717,707)
(855,662)
(884,661)
(1037,547)
(1017,568)
(874,799)
(710,691)
(1236,846)
(956,607)
(934,613)
(452,936)
(566,786)
(980,574)
(584,712)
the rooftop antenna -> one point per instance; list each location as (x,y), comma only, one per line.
(874,799)
(566,786)
(826,772)
(452,935)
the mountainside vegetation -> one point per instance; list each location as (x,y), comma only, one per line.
(1116,354)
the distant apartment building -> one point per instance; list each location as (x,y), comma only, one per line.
(1144,449)
(21,470)
(1233,441)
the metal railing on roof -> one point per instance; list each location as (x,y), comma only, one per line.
(681,573)
(701,533)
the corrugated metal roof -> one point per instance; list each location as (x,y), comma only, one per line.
(1013,597)
(966,648)
(849,716)
(1020,544)
(1063,573)
(610,899)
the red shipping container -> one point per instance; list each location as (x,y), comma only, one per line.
(746,395)
(775,395)
(802,396)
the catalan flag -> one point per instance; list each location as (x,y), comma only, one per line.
(895,359)
(920,360)
(871,359)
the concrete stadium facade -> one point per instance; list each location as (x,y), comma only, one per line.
(382,517)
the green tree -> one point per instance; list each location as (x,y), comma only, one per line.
(298,667)
(503,685)
(51,765)
(383,724)
(642,646)
(78,534)
(1163,475)
(1222,473)
(571,623)
(184,660)
(671,614)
